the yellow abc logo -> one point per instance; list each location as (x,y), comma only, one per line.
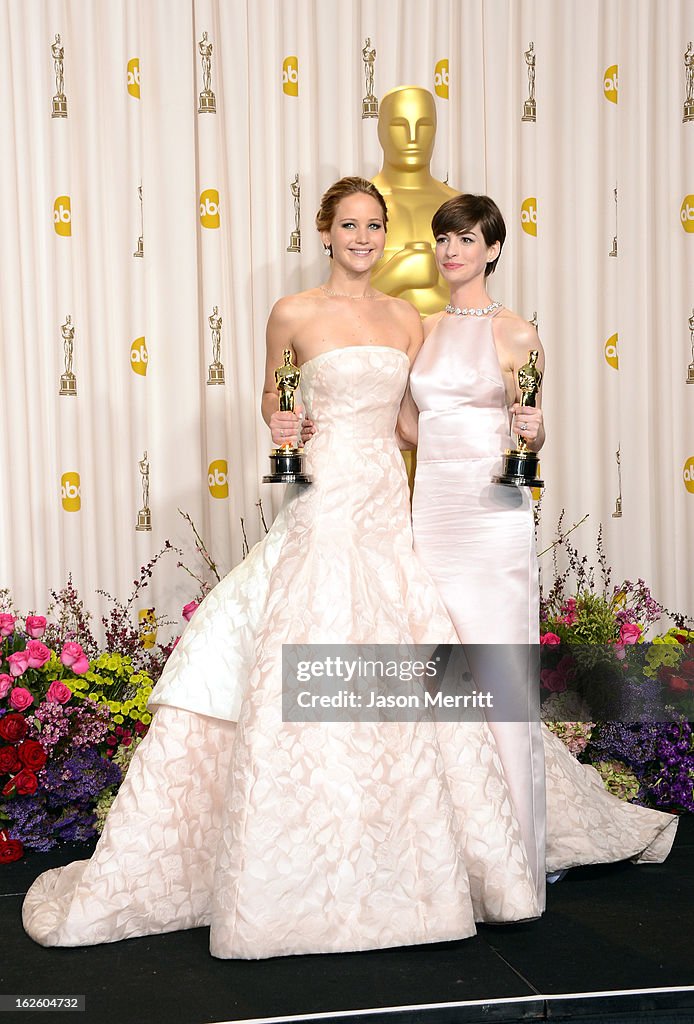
(290,76)
(146,617)
(529,215)
(688,474)
(441,78)
(610,83)
(611,353)
(218,479)
(134,77)
(70,492)
(687,213)
(139,357)
(209,208)
(62,216)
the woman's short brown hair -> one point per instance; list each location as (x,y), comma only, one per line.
(465,212)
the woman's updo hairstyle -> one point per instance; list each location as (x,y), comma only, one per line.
(351,186)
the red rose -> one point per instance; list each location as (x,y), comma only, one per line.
(9,762)
(10,849)
(24,783)
(550,638)
(31,754)
(687,668)
(13,727)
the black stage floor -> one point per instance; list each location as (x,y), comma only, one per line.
(616,945)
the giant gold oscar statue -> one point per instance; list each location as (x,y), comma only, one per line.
(406,131)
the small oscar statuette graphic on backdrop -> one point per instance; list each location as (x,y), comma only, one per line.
(613,250)
(688,114)
(520,464)
(529,106)
(295,237)
(690,368)
(144,516)
(60,99)
(287,461)
(207,102)
(369,105)
(140,251)
(68,381)
(215,373)
(617,514)
(533,320)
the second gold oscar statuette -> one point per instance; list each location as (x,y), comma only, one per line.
(520,464)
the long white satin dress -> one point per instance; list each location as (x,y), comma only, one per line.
(477,540)
(302,838)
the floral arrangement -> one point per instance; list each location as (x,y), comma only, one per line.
(597,664)
(70,717)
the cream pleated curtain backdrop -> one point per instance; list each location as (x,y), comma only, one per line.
(216,216)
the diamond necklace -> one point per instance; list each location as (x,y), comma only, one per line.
(344,295)
(457,311)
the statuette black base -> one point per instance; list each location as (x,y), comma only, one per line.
(288,468)
(520,469)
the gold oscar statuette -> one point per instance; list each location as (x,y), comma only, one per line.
(688,114)
(406,131)
(295,237)
(215,372)
(690,368)
(140,251)
(287,461)
(613,250)
(529,106)
(60,99)
(207,102)
(369,105)
(520,464)
(617,514)
(144,516)
(68,381)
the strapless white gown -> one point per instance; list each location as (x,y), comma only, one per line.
(477,540)
(297,838)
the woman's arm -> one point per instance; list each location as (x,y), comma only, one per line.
(520,339)
(279,332)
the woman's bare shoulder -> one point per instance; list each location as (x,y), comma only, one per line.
(514,330)
(289,307)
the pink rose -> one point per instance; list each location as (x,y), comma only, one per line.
(58,692)
(72,656)
(550,638)
(629,633)
(19,663)
(38,653)
(35,626)
(6,624)
(189,610)
(5,684)
(20,698)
